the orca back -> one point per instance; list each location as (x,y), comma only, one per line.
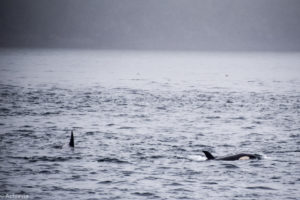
(241,156)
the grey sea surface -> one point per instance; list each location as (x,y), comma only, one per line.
(141,121)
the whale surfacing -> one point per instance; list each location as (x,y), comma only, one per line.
(241,156)
(71,143)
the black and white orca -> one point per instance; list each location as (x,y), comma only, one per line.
(241,156)
(71,143)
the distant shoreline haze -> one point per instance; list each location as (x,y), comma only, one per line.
(205,25)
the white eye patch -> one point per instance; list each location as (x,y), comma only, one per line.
(244,158)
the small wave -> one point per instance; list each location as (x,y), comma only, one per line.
(47,158)
(295,135)
(27,126)
(196,158)
(144,194)
(275,177)
(260,188)
(210,183)
(227,146)
(248,127)
(126,127)
(213,117)
(45,172)
(105,182)
(161,108)
(127,173)
(25,131)
(58,146)
(4,111)
(257,122)
(90,133)
(256,164)
(230,166)
(174,184)
(239,118)
(140,105)
(57,188)
(151,157)
(283,151)
(111,160)
(156,156)
(51,113)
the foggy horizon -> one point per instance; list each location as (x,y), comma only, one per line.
(229,25)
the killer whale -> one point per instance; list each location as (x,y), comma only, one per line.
(71,143)
(241,156)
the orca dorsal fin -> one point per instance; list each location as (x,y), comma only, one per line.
(208,155)
(71,140)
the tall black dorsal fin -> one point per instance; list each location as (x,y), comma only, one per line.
(208,155)
(71,140)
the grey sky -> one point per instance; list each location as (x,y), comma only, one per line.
(152,24)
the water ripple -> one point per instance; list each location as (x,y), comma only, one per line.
(138,143)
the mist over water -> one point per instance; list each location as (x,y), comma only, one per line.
(206,25)
(141,121)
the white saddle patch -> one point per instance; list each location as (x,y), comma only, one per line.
(244,158)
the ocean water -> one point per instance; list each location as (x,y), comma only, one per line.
(141,121)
